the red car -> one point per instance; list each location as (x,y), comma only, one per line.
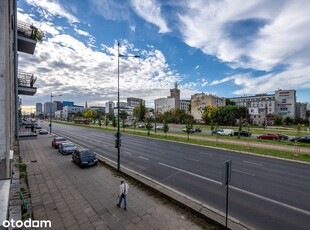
(268,136)
(57,140)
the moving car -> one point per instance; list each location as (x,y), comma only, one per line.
(304,139)
(43,131)
(225,132)
(243,133)
(84,157)
(57,140)
(282,136)
(66,148)
(268,136)
(194,130)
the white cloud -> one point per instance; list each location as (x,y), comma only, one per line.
(277,38)
(151,12)
(67,66)
(133,28)
(52,8)
(197,66)
(110,9)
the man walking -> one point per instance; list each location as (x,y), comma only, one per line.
(123,191)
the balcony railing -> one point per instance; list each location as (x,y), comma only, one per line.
(25,84)
(29,31)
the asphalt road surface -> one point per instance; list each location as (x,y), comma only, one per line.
(264,193)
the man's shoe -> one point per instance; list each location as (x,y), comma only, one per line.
(125,208)
(117,205)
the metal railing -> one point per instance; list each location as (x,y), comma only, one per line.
(29,31)
(26,79)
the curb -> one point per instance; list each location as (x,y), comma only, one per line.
(200,209)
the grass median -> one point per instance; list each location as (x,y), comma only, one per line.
(235,147)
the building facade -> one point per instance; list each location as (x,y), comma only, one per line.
(163,105)
(134,102)
(200,100)
(175,93)
(285,103)
(67,103)
(49,109)
(39,109)
(109,106)
(301,110)
(185,105)
(69,111)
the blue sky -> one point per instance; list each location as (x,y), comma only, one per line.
(227,48)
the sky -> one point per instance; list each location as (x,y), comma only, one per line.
(226,48)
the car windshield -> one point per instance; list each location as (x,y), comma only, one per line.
(60,139)
(87,153)
(68,145)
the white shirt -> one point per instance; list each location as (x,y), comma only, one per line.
(123,188)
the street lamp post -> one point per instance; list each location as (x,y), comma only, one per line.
(118,134)
(51,106)
(155,117)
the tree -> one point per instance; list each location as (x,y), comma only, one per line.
(209,114)
(90,113)
(148,125)
(106,121)
(288,120)
(189,127)
(99,123)
(123,116)
(114,122)
(139,112)
(240,126)
(278,119)
(166,128)
(134,124)
(110,115)
(229,102)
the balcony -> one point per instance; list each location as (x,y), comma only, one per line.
(25,84)
(28,36)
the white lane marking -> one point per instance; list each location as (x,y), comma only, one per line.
(235,170)
(253,163)
(243,191)
(191,159)
(144,158)
(128,152)
(209,154)
(193,174)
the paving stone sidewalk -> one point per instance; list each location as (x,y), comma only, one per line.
(75,198)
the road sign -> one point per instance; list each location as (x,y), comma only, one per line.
(226,173)
(118,135)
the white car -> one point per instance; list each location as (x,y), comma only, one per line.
(225,132)
(160,127)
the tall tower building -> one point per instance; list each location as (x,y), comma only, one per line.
(175,93)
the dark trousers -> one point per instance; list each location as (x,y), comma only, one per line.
(121,199)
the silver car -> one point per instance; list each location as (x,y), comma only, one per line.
(66,148)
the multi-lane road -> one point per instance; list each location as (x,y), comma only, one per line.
(265,193)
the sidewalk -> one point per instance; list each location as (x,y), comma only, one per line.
(74,198)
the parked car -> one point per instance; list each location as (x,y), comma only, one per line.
(38,127)
(282,136)
(194,130)
(141,126)
(57,140)
(66,148)
(43,131)
(84,157)
(159,127)
(225,132)
(243,133)
(268,136)
(304,139)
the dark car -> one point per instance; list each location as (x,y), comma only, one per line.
(282,136)
(43,131)
(268,136)
(57,140)
(84,157)
(197,130)
(305,139)
(66,148)
(243,133)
